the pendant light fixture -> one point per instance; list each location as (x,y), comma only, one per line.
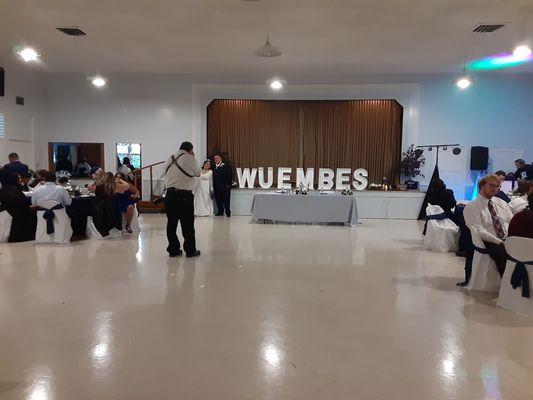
(267,50)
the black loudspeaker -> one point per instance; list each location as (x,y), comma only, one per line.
(479,158)
(2,81)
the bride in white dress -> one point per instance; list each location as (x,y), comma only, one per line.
(203,204)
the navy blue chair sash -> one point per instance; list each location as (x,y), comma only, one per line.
(49,216)
(520,276)
(481,250)
(437,217)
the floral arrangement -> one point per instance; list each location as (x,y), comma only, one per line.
(301,189)
(61,174)
(411,163)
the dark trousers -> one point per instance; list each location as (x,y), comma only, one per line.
(498,254)
(179,205)
(222,197)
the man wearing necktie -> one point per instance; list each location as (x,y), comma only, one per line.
(489,217)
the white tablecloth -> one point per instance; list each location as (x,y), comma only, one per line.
(313,208)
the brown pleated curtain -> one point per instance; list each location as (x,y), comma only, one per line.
(309,134)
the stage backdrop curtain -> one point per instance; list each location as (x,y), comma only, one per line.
(310,134)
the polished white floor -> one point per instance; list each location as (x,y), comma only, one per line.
(267,312)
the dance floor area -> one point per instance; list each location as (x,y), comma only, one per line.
(266,312)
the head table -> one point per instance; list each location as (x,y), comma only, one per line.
(309,208)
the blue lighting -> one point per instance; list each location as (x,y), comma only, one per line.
(476,189)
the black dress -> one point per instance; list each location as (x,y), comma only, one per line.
(17,205)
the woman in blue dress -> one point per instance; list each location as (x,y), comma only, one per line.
(127,195)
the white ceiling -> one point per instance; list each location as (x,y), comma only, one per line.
(321,38)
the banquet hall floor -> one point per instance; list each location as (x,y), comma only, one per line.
(266,312)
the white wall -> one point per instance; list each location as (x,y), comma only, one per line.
(24,124)
(160,111)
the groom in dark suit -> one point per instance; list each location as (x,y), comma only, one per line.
(222,179)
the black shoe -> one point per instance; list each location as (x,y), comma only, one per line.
(179,253)
(228,215)
(195,254)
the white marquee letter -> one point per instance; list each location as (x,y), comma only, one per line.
(282,177)
(306,179)
(343,178)
(360,181)
(325,178)
(270,177)
(246,178)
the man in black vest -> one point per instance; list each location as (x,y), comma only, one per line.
(222,180)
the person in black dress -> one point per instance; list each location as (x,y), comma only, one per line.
(222,180)
(13,200)
(440,196)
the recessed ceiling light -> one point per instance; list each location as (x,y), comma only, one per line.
(276,83)
(28,54)
(522,52)
(98,81)
(463,82)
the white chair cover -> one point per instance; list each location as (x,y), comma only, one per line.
(5,226)
(62,226)
(93,233)
(135,226)
(520,249)
(485,276)
(442,236)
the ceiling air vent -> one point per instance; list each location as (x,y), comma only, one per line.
(71,31)
(487,28)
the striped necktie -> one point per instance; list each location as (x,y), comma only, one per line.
(498,228)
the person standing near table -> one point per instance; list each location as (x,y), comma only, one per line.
(14,166)
(222,180)
(523,171)
(181,172)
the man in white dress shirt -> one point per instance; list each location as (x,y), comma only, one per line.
(489,217)
(181,172)
(50,191)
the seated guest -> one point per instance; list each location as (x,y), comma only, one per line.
(50,191)
(105,187)
(440,196)
(63,181)
(501,194)
(17,205)
(84,168)
(97,176)
(522,223)
(106,213)
(25,180)
(14,166)
(39,179)
(489,217)
(523,171)
(127,197)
